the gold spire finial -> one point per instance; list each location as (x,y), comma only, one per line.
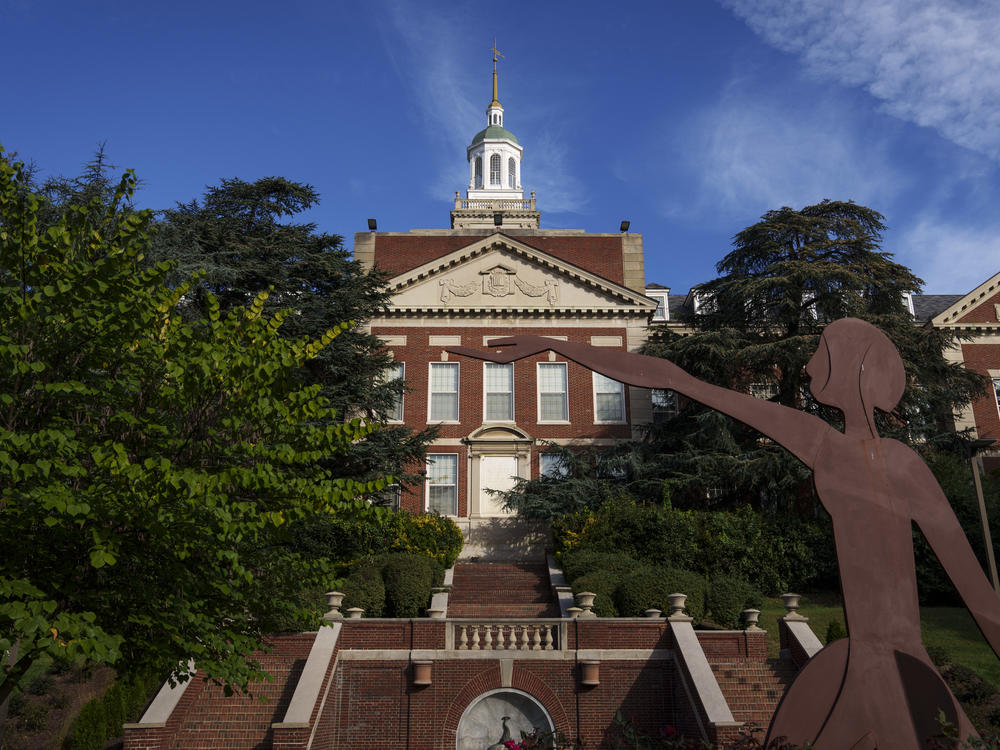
(495,102)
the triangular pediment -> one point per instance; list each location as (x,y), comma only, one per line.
(498,273)
(980,308)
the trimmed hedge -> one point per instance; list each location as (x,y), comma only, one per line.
(576,564)
(364,588)
(408,579)
(728,597)
(782,554)
(602,583)
(649,587)
(349,537)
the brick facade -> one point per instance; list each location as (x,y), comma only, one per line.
(437,306)
(368,698)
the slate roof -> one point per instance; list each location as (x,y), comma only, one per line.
(926,306)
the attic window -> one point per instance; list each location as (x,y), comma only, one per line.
(660,313)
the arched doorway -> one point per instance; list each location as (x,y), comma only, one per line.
(482,722)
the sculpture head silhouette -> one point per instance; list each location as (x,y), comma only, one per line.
(856,365)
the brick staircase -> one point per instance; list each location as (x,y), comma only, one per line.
(753,689)
(215,720)
(488,589)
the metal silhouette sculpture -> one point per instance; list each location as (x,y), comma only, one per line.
(877,688)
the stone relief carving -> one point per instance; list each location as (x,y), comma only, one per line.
(550,289)
(450,287)
(500,281)
(496,281)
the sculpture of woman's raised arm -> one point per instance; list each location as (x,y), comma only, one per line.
(797,431)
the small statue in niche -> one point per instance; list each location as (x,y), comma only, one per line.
(877,688)
(504,738)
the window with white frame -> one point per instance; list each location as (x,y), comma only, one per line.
(498,387)
(396,371)
(442,483)
(609,399)
(553,401)
(495,169)
(660,313)
(552,465)
(479,171)
(996,392)
(444,392)
(511,173)
(665,405)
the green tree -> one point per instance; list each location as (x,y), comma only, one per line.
(757,326)
(243,237)
(150,466)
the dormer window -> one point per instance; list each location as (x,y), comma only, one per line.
(908,303)
(495,169)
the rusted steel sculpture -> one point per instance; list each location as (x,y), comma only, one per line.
(877,688)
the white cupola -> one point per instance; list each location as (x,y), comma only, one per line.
(494,154)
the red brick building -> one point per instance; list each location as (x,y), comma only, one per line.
(976,317)
(495,273)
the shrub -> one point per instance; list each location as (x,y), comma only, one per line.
(602,583)
(576,564)
(40,685)
(779,553)
(650,586)
(728,597)
(835,631)
(90,728)
(968,686)
(364,588)
(939,655)
(408,579)
(436,536)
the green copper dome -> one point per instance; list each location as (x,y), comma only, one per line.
(493,131)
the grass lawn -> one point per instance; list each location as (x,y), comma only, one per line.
(950,628)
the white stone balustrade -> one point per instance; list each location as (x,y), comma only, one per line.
(504,636)
(495,204)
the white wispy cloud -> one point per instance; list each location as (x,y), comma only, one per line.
(430,50)
(754,150)
(951,257)
(935,63)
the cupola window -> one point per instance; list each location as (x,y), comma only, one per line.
(495,169)
(511,173)
(479,171)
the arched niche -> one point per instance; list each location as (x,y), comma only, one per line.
(481,724)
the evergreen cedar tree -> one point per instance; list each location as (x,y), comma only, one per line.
(757,325)
(241,236)
(151,467)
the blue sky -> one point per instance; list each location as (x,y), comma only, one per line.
(690,118)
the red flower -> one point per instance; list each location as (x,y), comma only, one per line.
(668,731)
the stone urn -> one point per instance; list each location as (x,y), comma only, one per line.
(333,600)
(677,602)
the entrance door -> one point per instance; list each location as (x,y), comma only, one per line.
(495,473)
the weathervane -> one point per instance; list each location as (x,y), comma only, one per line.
(496,53)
